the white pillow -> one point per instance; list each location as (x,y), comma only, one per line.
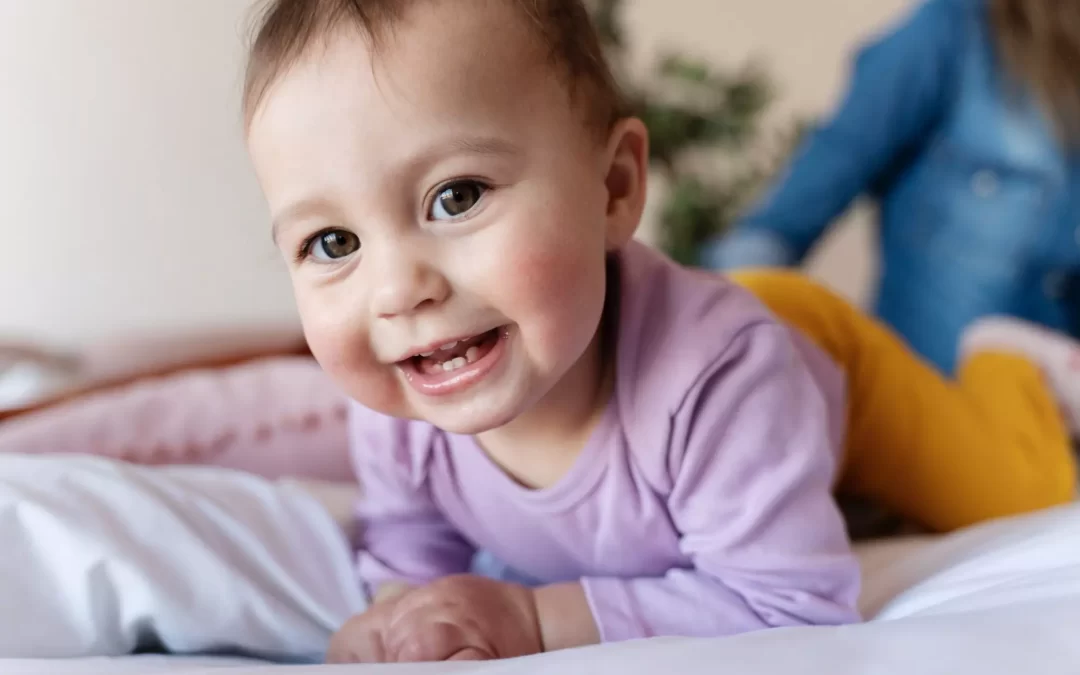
(98,556)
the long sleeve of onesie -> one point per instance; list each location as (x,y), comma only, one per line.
(752,501)
(404,537)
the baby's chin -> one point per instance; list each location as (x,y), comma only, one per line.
(465,419)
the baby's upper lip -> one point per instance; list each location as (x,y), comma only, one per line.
(447,343)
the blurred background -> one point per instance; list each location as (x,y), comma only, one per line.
(127,205)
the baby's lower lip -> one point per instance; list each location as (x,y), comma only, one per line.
(431,377)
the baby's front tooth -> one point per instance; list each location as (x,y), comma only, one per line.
(428,355)
(448,366)
(459,362)
(472,354)
(450,345)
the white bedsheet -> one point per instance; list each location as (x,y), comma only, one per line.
(205,557)
(1000,641)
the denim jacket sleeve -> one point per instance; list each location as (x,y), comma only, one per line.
(897,93)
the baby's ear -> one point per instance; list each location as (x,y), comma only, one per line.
(627,177)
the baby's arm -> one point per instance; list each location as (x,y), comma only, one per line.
(753,464)
(405,540)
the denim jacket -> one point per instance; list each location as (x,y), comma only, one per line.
(979,203)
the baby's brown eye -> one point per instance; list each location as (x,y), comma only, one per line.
(334,245)
(457,199)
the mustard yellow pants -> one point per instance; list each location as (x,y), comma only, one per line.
(940,452)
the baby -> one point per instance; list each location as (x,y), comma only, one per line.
(456,189)
(457,193)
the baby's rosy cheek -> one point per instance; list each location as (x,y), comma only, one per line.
(371,384)
(348,361)
(557,296)
(547,275)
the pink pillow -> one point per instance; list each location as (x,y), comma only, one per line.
(274,417)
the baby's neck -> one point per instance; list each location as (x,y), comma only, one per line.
(541,446)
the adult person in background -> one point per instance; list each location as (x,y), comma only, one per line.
(963,123)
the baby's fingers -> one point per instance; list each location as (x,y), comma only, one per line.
(357,642)
(469,654)
(415,639)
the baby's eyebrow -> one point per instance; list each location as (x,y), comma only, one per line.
(484,145)
(300,209)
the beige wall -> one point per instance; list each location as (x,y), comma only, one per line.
(126,202)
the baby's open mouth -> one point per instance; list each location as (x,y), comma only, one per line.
(456,355)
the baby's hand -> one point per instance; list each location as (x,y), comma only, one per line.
(460,618)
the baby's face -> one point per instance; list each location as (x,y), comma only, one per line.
(444,213)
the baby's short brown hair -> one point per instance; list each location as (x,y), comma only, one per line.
(287,28)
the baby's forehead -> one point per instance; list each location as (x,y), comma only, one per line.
(460,52)
(493,46)
(438,60)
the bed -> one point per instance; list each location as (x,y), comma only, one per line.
(92,565)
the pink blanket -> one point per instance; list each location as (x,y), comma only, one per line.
(276,416)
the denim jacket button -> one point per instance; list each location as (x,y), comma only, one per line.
(984,183)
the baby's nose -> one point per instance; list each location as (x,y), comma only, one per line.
(407,285)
